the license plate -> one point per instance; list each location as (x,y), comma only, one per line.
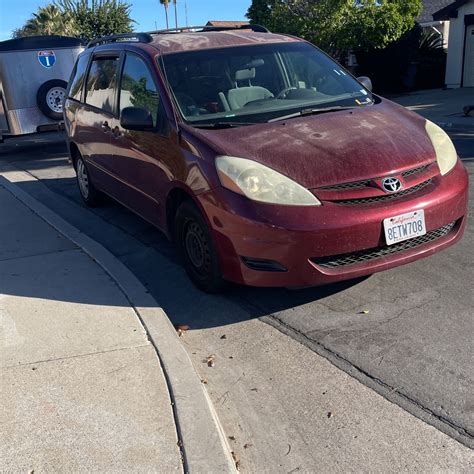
(404,227)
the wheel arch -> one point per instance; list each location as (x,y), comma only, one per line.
(175,198)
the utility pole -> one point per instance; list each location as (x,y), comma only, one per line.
(186,11)
(165,4)
(175,13)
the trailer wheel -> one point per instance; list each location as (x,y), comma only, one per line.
(50,98)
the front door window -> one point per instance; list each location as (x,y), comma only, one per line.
(138,87)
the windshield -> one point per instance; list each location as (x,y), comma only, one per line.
(249,84)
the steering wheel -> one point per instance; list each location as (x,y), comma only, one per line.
(282,94)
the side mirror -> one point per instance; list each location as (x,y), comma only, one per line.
(366,82)
(136,118)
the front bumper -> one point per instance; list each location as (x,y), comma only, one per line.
(299,237)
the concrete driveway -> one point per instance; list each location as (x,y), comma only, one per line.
(444,107)
(406,333)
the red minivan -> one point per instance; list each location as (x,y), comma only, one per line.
(265,161)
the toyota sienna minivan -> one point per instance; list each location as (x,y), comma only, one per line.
(265,161)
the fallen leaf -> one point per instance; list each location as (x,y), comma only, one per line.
(330,415)
(232,438)
(210,360)
(204,381)
(248,445)
(181,329)
(254,389)
(236,460)
(223,336)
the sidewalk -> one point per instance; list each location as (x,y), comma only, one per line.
(82,388)
(444,107)
(82,385)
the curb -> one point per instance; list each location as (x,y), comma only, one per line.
(203,442)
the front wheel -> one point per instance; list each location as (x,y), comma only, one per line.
(197,249)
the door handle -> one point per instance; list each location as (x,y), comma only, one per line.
(105,126)
(116,132)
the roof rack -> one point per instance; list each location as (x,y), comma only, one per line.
(196,29)
(147,38)
(137,37)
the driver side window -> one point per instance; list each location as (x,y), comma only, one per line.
(138,88)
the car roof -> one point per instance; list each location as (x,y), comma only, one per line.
(191,39)
(179,42)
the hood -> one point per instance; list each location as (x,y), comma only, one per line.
(332,148)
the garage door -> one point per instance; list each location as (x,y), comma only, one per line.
(468,80)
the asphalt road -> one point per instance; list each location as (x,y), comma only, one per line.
(407,333)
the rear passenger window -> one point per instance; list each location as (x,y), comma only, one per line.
(138,88)
(75,91)
(101,83)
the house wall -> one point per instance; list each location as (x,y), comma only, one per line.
(454,63)
(444,30)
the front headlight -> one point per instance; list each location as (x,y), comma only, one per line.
(445,152)
(260,183)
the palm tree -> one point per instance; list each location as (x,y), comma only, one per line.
(48,20)
(166,3)
(175,13)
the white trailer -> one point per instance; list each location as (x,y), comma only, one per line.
(34,72)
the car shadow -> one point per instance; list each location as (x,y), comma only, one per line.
(153,260)
(149,254)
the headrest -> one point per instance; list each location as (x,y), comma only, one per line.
(245,74)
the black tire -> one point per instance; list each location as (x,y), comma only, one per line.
(197,249)
(50,97)
(89,193)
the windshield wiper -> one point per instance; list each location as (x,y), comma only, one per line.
(323,110)
(217,125)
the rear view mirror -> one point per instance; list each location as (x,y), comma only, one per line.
(254,63)
(136,118)
(366,82)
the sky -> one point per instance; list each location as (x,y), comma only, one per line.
(148,14)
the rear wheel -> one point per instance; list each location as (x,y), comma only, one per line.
(197,249)
(89,193)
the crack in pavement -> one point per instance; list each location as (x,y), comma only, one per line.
(87,354)
(40,254)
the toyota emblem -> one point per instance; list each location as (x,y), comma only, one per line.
(391,185)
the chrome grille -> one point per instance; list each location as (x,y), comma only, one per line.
(386,197)
(354,185)
(371,254)
(367,182)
